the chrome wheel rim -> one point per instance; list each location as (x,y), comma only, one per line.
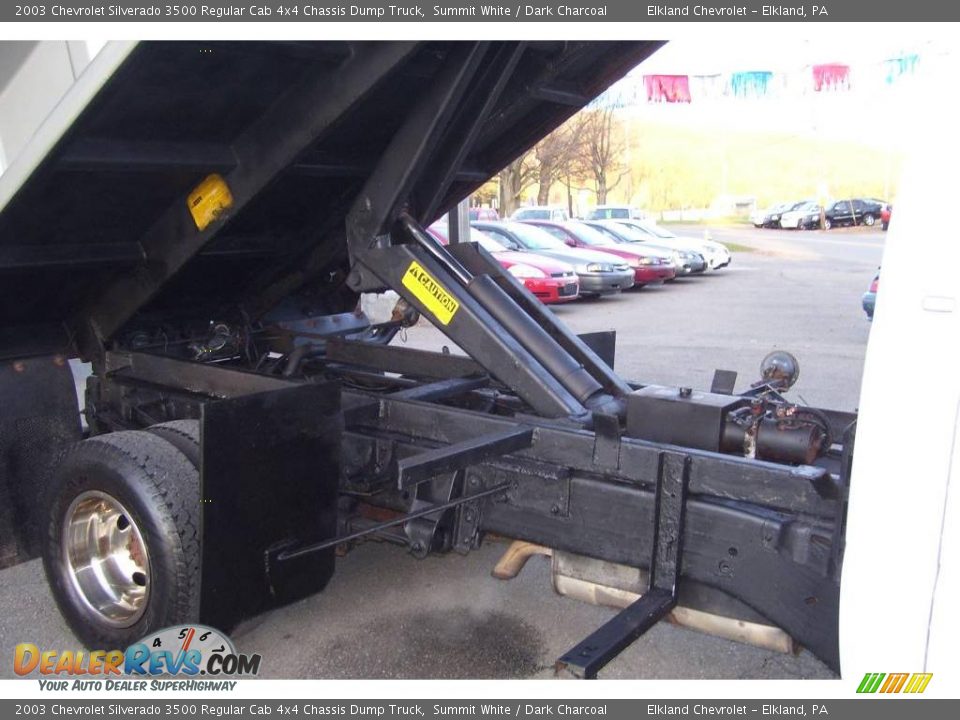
(106,558)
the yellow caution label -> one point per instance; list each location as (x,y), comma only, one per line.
(431,293)
(208,200)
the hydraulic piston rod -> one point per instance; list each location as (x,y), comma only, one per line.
(565,368)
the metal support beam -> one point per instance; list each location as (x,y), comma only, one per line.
(458,223)
(296,120)
(465,127)
(442,389)
(420,468)
(192,377)
(330,165)
(535,73)
(144,156)
(378,204)
(586,659)
(401,360)
(560,96)
(46,256)
(777,487)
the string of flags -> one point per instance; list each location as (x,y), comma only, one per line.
(756,84)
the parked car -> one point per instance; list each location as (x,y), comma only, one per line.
(599,273)
(541,212)
(805,217)
(854,211)
(483,213)
(685,260)
(870,297)
(716,255)
(650,264)
(885,216)
(617,212)
(551,281)
(770,217)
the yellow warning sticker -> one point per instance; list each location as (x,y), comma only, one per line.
(209,200)
(431,293)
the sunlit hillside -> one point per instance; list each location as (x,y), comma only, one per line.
(674,168)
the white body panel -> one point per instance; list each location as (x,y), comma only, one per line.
(899,593)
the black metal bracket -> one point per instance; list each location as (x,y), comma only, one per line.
(591,655)
(723,382)
(459,456)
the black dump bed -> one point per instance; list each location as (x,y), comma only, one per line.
(295,128)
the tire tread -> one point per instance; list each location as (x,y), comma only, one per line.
(174,485)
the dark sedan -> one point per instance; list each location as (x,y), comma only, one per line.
(599,273)
(857,211)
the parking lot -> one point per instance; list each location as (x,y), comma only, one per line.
(388,615)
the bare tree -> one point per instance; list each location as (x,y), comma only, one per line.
(554,155)
(546,154)
(602,151)
(514,179)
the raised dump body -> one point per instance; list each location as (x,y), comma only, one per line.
(295,129)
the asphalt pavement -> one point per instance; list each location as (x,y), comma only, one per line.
(387,615)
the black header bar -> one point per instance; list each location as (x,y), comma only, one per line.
(321,11)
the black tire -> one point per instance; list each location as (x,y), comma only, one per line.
(158,489)
(869,220)
(184,435)
(827,224)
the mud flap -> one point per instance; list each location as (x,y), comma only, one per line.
(39,421)
(269,474)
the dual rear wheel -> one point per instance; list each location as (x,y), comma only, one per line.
(122,549)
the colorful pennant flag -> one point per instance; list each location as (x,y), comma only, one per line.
(896,68)
(752,84)
(832,76)
(667,88)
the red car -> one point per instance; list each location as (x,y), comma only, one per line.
(482,213)
(551,281)
(647,267)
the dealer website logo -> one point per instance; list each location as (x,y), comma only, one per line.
(179,651)
(914,683)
